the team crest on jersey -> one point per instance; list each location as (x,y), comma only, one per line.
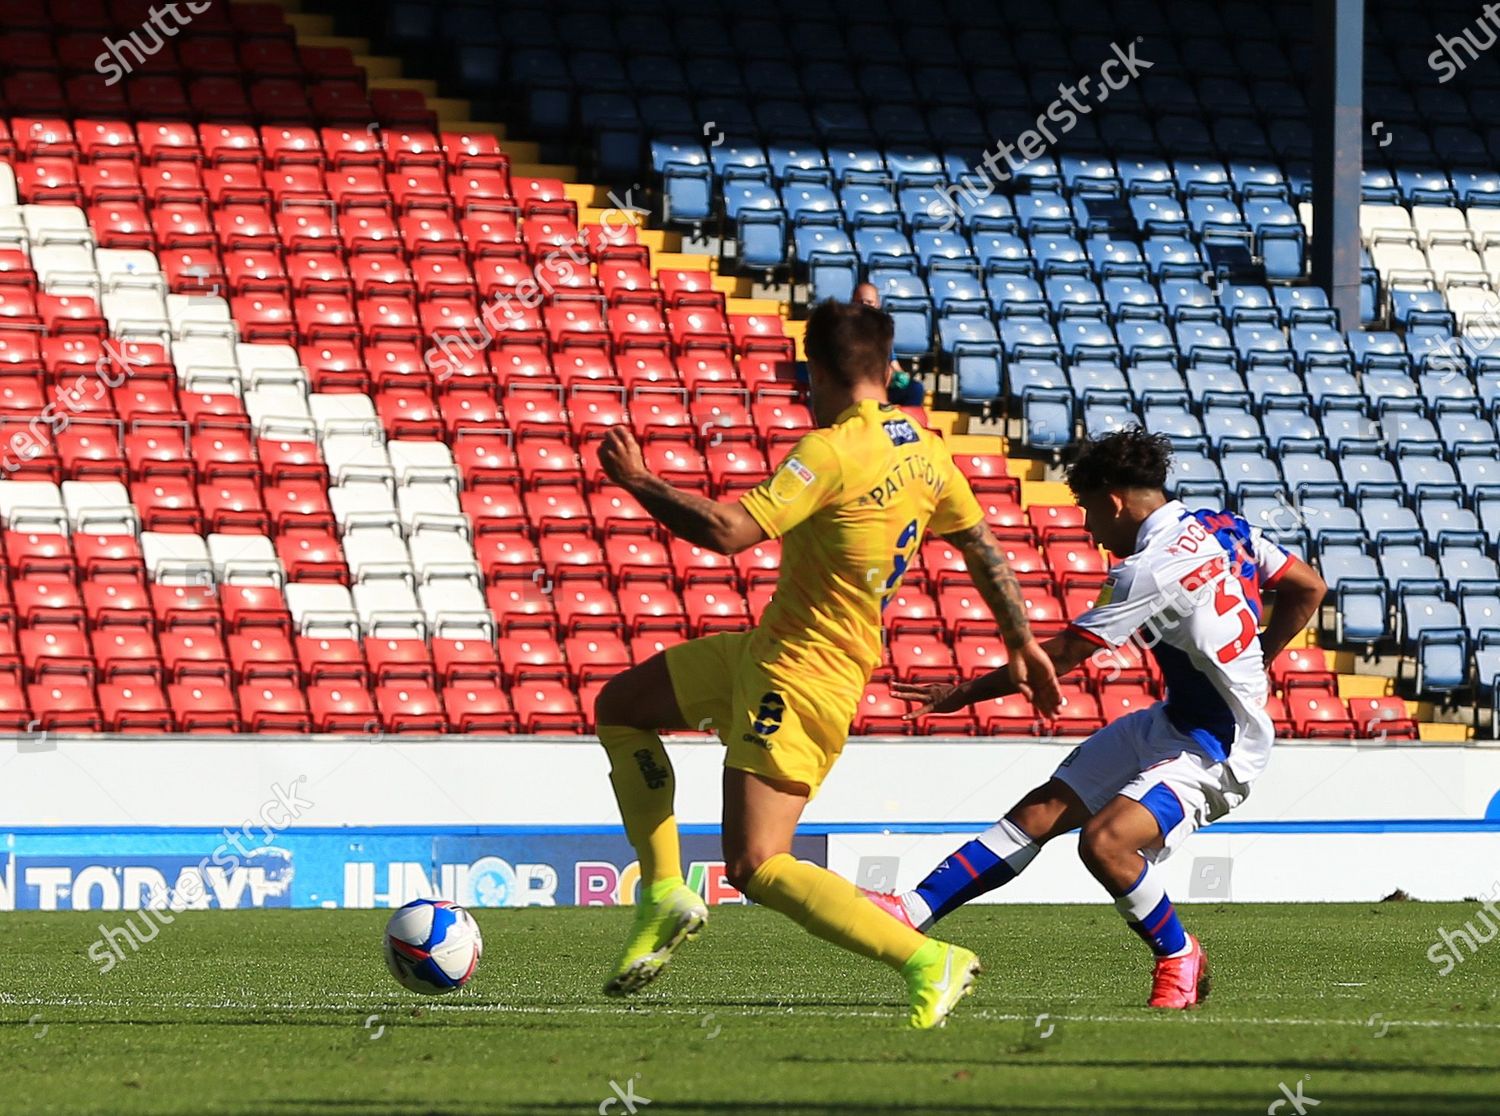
(900,431)
(791,479)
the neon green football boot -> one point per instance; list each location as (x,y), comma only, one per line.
(668,914)
(937,977)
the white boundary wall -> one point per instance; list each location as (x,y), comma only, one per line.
(1327,821)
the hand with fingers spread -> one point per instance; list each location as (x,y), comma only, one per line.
(930,697)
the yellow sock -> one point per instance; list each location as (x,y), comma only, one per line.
(644,785)
(832,908)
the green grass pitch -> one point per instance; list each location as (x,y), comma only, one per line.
(289,1012)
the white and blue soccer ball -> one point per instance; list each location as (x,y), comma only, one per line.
(432,946)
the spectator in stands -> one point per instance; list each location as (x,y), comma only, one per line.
(904,390)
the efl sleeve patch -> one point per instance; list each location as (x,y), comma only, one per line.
(791,480)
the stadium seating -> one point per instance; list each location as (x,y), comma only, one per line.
(334,373)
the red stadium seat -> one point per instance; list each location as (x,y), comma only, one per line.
(543,706)
(1296,667)
(1382,718)
(466,660)
(402,659)
(475,707)
(1009,716)
(978,654)
(134,705)
(715,607)
(596,654)
(123,652)
(65,704)
(1118,700)
(532,654)
(1079,713)
(880,714)
(189,651)
(921,657)
(341,705)
(274,705)
(1281,720)
(1318,713)
(329,659)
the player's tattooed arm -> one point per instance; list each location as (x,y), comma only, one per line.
(995,580)
(725,528)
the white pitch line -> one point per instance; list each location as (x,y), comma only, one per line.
(459,1007)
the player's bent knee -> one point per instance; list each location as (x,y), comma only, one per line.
(619,702)
(607,706)
(1100,838)
(741,864)
(739,868)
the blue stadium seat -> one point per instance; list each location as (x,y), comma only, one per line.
(1391,524)
(1074,293)
(688,192)
(1048,418)
(810,203)
(1289,425)
(832,275)
(866,205)
(1022,375)
(1132,298)
(1107,411)
(961,329)
(1096,375)
(1087,339)
(976,368)
(937,249)
(1013,295)
(762,237)
(1035,335)
(913,322)
(1361,615)
(1169,257)
(1154,377)
(958,292)
(1003,252)
(1199,339)
(1159,214)
(882,245)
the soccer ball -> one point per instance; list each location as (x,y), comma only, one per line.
(432,946)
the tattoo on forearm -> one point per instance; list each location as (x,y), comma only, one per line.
(995,580)
(686,514)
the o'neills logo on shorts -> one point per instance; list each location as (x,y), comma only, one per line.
(654,774)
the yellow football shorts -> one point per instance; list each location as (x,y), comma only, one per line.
(770,725)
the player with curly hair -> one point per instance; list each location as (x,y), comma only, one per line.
(1189,587)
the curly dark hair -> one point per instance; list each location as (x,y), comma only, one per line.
(1129,458)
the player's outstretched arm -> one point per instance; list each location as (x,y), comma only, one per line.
(1300,589)
(725,528)
(1063,652)
(1030,668)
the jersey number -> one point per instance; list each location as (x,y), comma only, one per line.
(1216,572)
(906,545)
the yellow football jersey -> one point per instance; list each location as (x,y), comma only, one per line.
(851,503)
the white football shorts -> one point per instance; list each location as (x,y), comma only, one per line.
(1145,757)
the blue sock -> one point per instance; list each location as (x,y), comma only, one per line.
(1150,914)
(993,858)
